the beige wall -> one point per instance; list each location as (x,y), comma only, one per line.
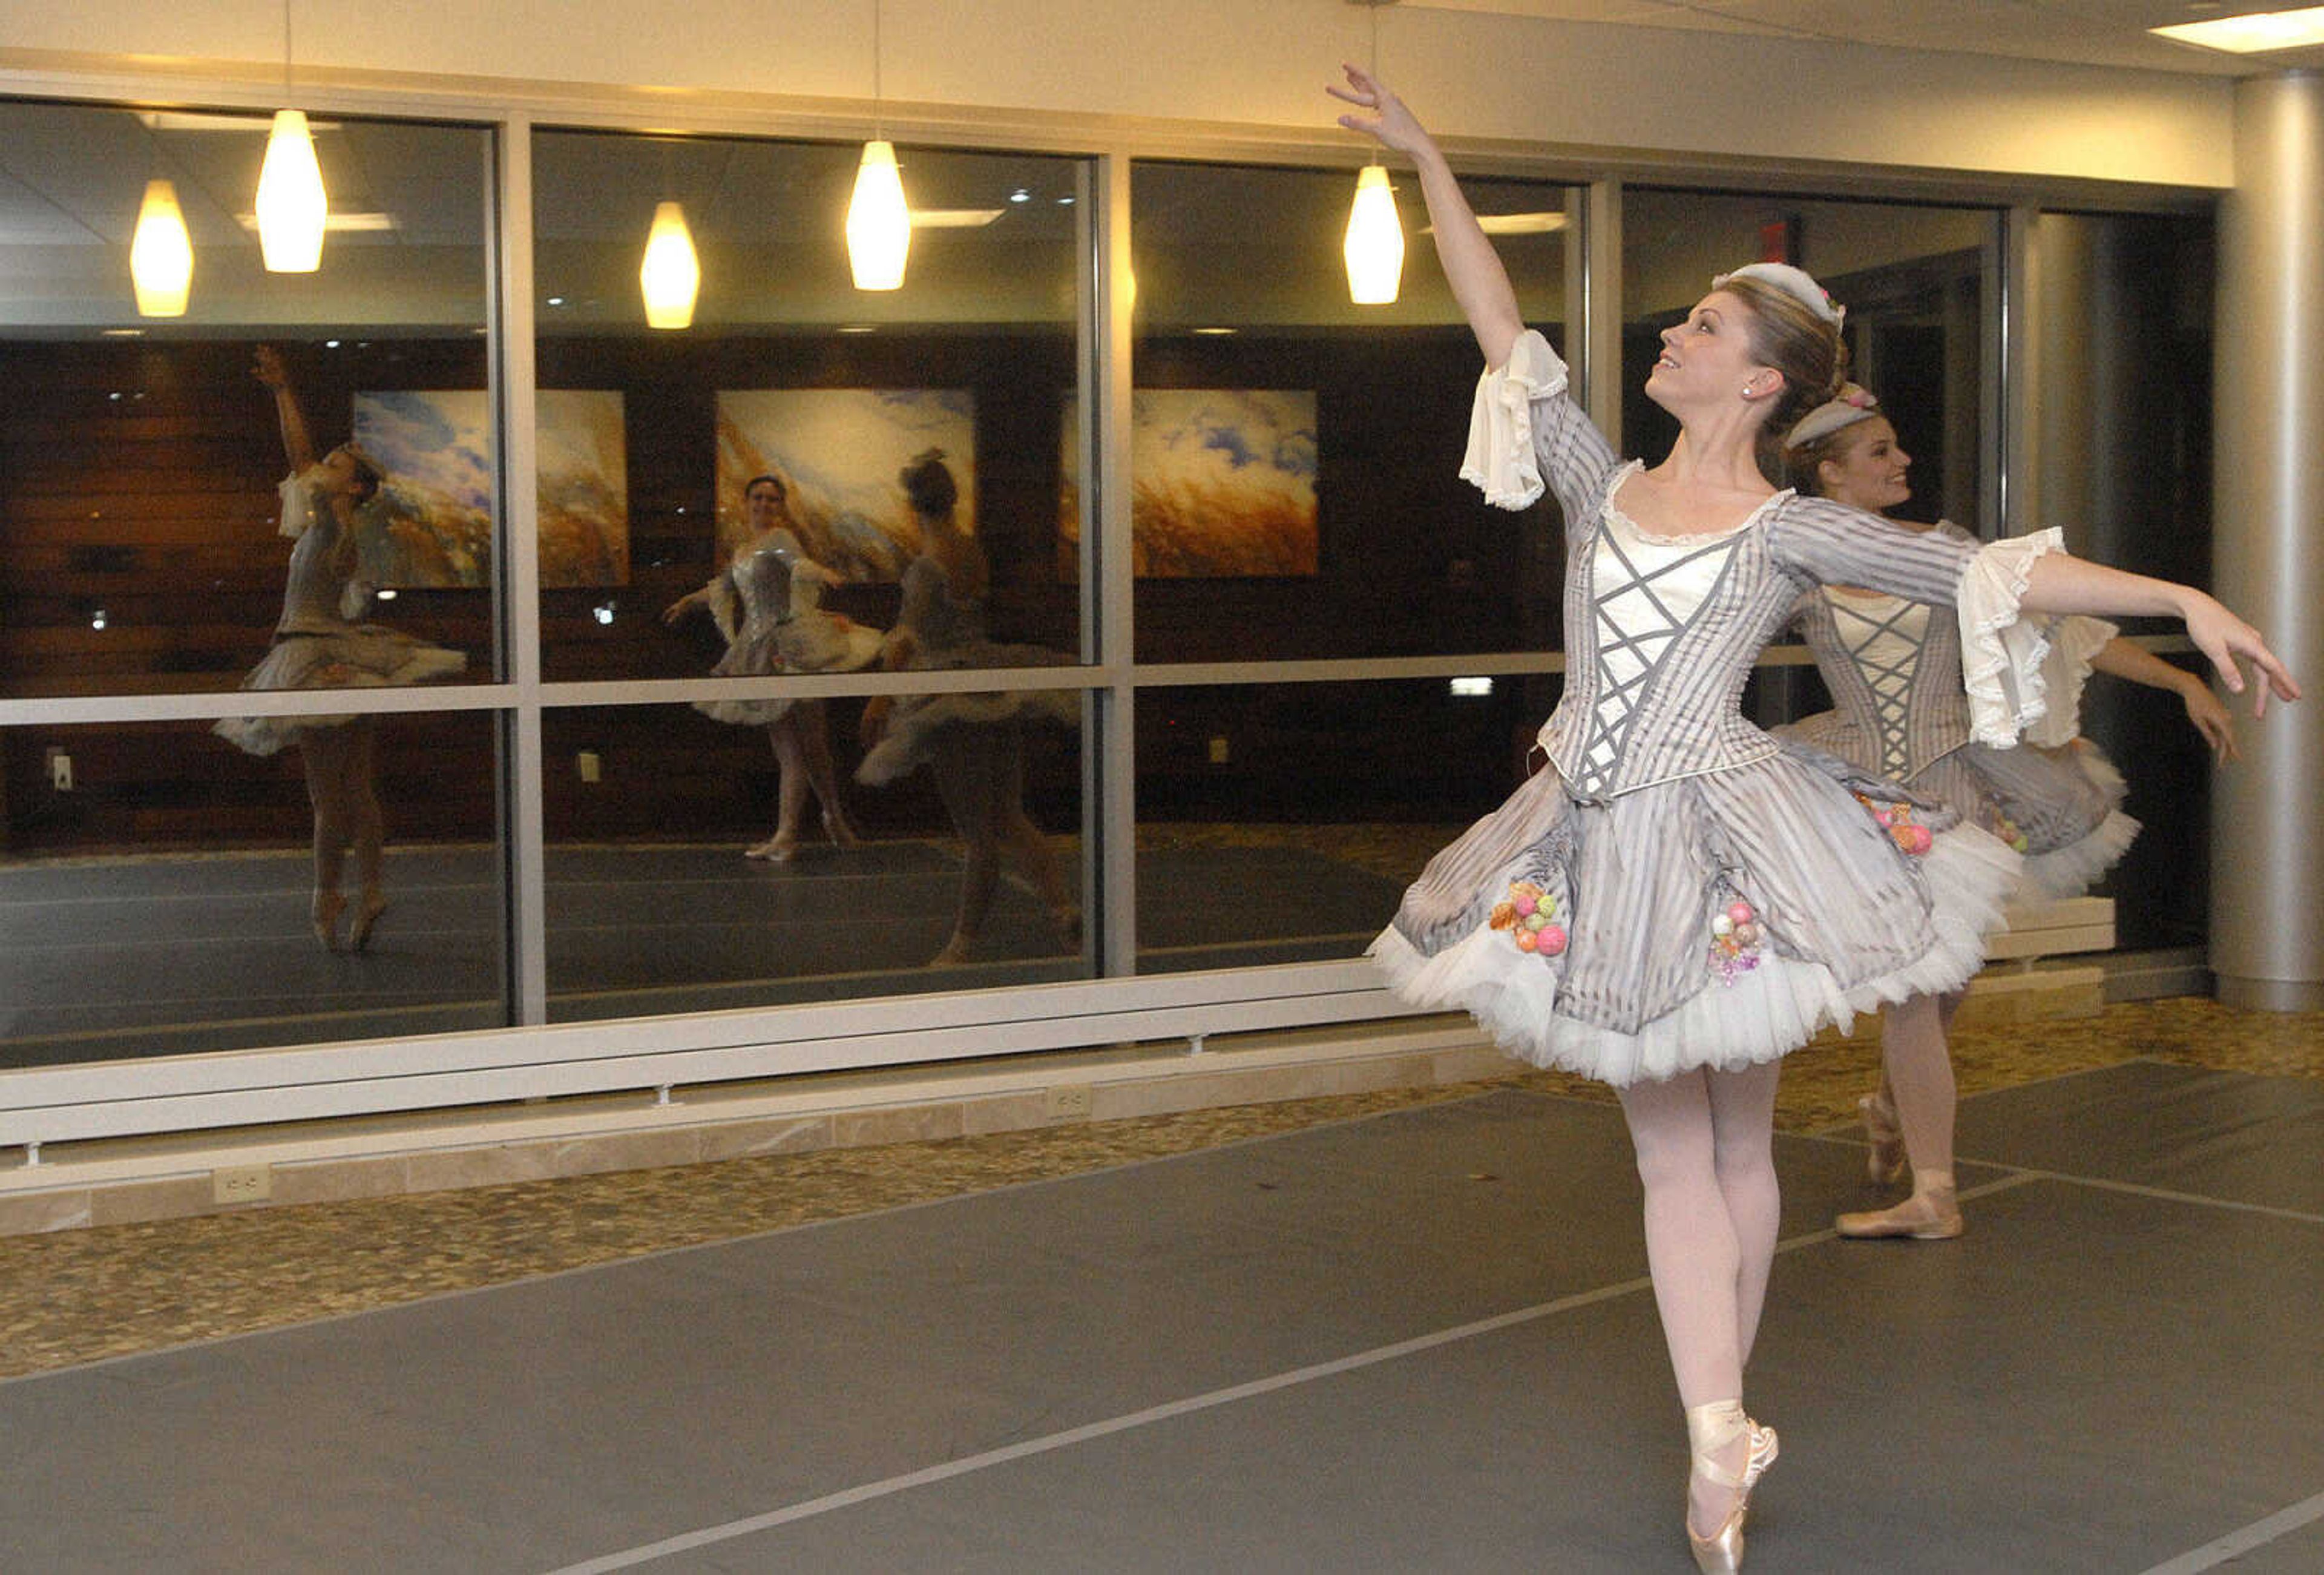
(1233,64)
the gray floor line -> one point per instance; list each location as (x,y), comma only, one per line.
(2245,1539)
(1856,1123)
(2163,1194)
(708,1536)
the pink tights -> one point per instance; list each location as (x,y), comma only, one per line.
(1705,1150)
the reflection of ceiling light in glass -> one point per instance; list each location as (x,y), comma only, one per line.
(603,613)
(292,206)
(161,254)
(196,120)
(857,328)
(1512,224)
(2253,33)
(1471,688)
(671,276)
(1021,195)
(1064,202)
(121,333)
(384,594)
(1214,333)
(879,220)
(98,619)
(954,218)
(1374,248)
(337,222)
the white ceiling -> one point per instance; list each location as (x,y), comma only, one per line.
(2089,33)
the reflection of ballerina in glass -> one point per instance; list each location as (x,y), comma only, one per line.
(973,744)
(768,604)
(320,644)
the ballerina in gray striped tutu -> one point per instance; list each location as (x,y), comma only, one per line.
(1677,899)
(1902,708)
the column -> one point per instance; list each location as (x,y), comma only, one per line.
(2267,858)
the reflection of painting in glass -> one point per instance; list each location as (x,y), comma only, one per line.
(583,488)
(1223,482)
(436,511)
(436,519)
(838,451)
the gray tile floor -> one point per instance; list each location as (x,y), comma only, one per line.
(1420,1341)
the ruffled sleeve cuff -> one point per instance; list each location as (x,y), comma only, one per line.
(1500,459)
(2006,662)
(2073,642)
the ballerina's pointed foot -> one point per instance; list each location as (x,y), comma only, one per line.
(777,849)
(324,916)
(956,951)
(366,920)
(1883,1159)
(1713,1430)
(1933,1213)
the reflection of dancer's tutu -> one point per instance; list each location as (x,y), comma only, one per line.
(783,628)
(315,646)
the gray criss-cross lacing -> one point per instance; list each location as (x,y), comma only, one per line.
(1890,683)
(1621,692)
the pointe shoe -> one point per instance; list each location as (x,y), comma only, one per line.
(1933,1213)
(366,917)
(325,916)
(1710,1429)
(775,850)
(955,953)
(842,835)
(1883,1159)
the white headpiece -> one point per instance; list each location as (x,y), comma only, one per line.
(1850,405)
(1793,283)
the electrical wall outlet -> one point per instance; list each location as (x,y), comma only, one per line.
(241,1183)
(1219,751)
(590,767)
(60,771)
(1068,1101)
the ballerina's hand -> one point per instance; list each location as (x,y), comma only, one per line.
(266,365)
(1390,123)
(2223,637)
(2211,720)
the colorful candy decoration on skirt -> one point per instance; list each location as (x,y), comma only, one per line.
(1902,830)
(2008,830)
(1529,916)
(1735,937)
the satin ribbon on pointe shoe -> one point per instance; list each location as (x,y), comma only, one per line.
(1711,1428)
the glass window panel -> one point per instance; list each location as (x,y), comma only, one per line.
(647,437)
(2125,469)
(1294,456)
(1281,822)
(139,456)
(656,903)
(157,889)
(1913,278)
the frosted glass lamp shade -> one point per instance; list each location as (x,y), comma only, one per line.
(292,206)
(1375,244)
(161,254)
(671,275)
(879,224)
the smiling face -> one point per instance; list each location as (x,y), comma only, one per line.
(1867,469)
(765,505)
(1708,359)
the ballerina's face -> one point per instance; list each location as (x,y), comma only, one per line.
(1869,471)
(766,507)
(1708,359)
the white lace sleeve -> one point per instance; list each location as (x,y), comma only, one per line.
(2073,642)
(2008,664)
(298,508)
(1502,457)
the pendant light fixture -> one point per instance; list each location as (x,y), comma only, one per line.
(292,206)
(1374,247)
(879,220)
(161,254)
(671,274)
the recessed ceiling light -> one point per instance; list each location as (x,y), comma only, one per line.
(1214,333)
(2253,32)
(1064,202)
(1021,195)
(954,218)
(857,327)
(121,333)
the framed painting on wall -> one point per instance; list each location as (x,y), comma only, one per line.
(838,451)
(435,524)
